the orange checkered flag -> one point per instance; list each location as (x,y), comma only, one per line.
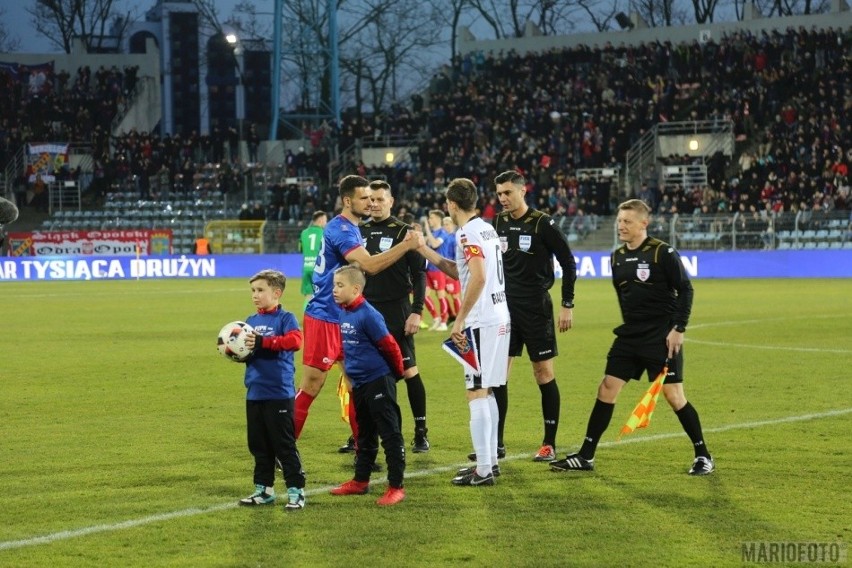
(641,415)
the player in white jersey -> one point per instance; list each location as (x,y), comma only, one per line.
(479,266)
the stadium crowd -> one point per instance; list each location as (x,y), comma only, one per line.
(551,114)
(547,115)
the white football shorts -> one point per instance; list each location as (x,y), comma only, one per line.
(492,348)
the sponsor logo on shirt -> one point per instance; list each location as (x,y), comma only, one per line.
(498,297)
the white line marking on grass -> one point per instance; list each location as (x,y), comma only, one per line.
(769,347)
(762,320)
(133,523)
(690,339)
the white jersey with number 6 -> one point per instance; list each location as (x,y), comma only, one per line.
(478,238)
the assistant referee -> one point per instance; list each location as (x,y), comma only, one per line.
(529,241)
(389,292)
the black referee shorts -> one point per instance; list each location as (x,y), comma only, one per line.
(395,314)
(533,325)
(629,358)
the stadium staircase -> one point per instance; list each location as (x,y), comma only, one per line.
(644,161)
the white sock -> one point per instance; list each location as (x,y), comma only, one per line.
(480,433)
(495,423)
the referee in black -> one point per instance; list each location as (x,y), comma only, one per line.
(655,296)
(389,292)
(529,241)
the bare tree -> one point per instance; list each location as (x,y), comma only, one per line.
(662,13)
(600,14)
(8,42)
(705,10)
(95,21)
(772,8)
(450,13)
(509,18)
(393,45)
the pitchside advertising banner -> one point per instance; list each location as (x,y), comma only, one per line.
(758,264)
(85,243)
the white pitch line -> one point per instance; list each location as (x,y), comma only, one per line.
(690,339)
(133,523)
(766,347)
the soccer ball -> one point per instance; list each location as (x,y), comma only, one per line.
(232,341)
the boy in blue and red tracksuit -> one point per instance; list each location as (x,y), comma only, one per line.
(269,380)
(373,362)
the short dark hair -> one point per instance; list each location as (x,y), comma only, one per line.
(462,192)
(349,183)
(380,184)
(510,176)
(318,215)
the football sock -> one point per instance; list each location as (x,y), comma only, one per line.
(550,411)
(501,395)
(445,309)
(430,306)
(303,404)
(495,421)
(688,417)
(417,400)
(456,306)
(598,423)
(480,433)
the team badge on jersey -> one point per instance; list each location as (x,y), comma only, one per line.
(385,244)
(504,244)
(524,242)
(643,271)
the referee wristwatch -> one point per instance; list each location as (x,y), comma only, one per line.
(680,328)
(566,304)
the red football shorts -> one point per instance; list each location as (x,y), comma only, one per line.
(322,344)
(436,280)
(452,286)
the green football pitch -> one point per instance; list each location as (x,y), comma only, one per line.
(122,440)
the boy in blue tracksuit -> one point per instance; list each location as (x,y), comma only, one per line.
(269,381)
(373,362)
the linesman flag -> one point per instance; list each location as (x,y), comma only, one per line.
(343,395)
(641,415)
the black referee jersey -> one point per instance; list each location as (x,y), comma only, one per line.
(528,244)
(651,285)
(398,280)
